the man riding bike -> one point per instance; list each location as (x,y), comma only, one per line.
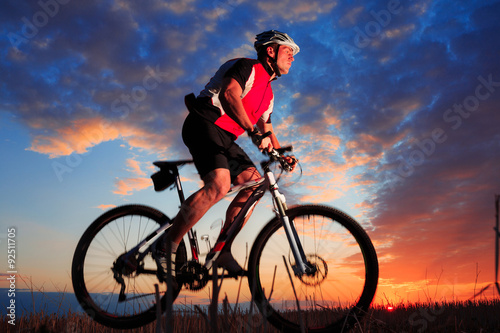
(237,99)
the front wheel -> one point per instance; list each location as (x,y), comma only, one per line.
(340,285)
(113,294)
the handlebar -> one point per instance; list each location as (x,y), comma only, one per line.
(274,154)
(279,155)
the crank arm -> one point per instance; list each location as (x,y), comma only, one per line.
(228,275)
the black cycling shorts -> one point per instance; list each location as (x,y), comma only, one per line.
(213,148)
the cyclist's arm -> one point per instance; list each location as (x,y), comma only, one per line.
(265,127)
(230,98)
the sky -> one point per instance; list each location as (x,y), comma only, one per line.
(391,106)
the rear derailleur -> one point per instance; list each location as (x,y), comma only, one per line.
(125,266)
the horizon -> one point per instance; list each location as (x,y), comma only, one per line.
(64,302)
(391,106)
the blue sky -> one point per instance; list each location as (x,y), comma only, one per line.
(392,107)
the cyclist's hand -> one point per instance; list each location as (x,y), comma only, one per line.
(261,140)
(266,144)
(292,161)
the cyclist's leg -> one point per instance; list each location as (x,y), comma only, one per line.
(225,258)
(207,144)
(240,199)
(242,170)
(217,184)
(222,250)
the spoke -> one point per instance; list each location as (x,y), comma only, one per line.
(324,296)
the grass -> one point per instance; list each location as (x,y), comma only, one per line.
(480,316)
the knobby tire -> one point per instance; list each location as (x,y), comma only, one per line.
(336,297)
(112,234)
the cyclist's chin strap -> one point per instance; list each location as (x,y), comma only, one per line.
(274,62)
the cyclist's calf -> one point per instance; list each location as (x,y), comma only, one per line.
(217,184)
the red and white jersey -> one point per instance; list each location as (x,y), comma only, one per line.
(257,94)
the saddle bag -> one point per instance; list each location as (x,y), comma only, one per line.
(163,179)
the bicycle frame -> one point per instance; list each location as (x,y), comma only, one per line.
(262,184)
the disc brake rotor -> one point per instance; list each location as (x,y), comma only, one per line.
(319,273)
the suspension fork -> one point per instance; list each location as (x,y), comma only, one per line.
(301,265)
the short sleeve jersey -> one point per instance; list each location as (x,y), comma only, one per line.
(257,95)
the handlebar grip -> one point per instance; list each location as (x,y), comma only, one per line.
(285,149)
(267,134)
(257,138)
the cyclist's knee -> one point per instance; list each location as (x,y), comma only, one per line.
(247,175)
(217,184)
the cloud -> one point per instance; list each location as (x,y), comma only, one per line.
(80,135)
(106,207)
(363,122)
(138,181)
(128,185)
(179,7)
(351,16)
(293,10)
(135,167)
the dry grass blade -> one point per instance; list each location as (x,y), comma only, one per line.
(159,328)
(455,317)
(212,311)
(301,320)
(170,297)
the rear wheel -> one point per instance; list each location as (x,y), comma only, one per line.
(339,288)
(114,293)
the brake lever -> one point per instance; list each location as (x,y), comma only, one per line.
(277,154)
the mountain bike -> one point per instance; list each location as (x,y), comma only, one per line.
(311,268)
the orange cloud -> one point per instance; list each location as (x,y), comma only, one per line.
(106,207)
(128,185)
(135,167)
(80,135)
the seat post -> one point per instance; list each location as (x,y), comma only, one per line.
(178,184)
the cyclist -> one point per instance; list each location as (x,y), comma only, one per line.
(237,99)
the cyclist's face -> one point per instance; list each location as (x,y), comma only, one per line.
(285,59)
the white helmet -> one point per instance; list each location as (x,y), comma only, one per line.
(273,36)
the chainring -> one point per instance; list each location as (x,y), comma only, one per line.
(193,275)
